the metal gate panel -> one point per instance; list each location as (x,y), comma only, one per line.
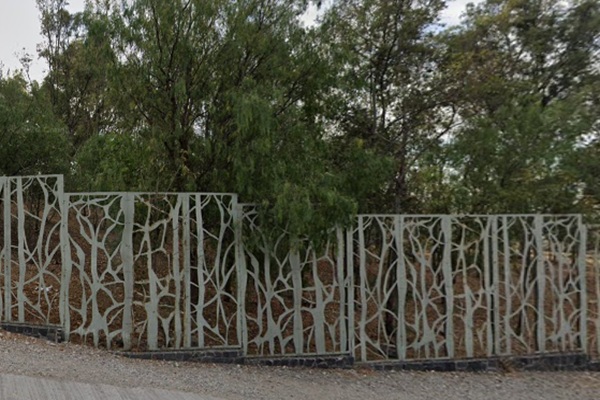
(295,295)
(32,219)
(98,276)
(185,268)
(469,286)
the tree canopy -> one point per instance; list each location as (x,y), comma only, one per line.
(374,107)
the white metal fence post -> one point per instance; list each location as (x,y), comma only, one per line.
(127,205)
(582,275)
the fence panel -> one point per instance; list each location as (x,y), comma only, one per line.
(593,290)
(152,271)
(295,295)
(32,212)
(185,270)
(403,303)
(540,284)
(195,270)
(99,274)
(564,244)
(468,286)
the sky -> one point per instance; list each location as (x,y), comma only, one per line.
(20,31)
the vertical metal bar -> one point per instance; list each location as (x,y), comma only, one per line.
(21,236)
(272,330)
(200,270)
(363,289)
(350,289)
(596,275)
(126,252)
(402,287)
(242,275)
(468,318)
(67,266)
(187,309)
(7,250)
(541,283)
(494,347)
(176,270)
(343,306)
(153,297)
(559,290)
(447,273)
(582,272)
(556,274)
(319,308)
(507,285)
(294,260)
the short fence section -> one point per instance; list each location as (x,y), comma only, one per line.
(296,296)
(30,243)
(150,271)
(469,286)
(593,290)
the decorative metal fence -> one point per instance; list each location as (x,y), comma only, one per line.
(195,270)
(296,297)
(31,248)
(467,286)
(152,270)
(593,278)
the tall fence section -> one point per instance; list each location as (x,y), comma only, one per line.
(155,271)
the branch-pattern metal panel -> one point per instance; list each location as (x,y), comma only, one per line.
(593,278)
(541,283)
(402,303)
(152,270)
(99,271)
(32,212)
(295,295)
(467,286)
(186,279)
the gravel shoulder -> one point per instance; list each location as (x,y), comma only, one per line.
(26,356)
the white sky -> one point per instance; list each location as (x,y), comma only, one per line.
(20,30)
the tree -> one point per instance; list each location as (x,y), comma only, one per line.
(389,96)
(33,140)
(524,70)
(213,96)
(81,62)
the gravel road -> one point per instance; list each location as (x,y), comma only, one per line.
(21,355)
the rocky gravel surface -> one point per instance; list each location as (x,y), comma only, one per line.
(21,355)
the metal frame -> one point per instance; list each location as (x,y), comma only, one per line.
(32,252)
(469,286)
(143,287)
(299,294)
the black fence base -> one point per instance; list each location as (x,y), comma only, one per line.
(538,362)
(235,356)
(220,356)
(316,361)
(52,333)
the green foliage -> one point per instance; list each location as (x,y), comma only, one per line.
(389,93)
(374,109)
(111,162)
(32,140)
(525,72)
